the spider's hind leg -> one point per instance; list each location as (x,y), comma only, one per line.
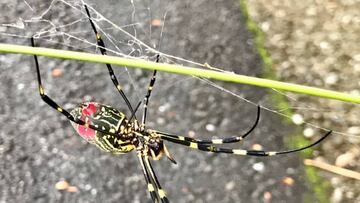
(149,183)
(153,184)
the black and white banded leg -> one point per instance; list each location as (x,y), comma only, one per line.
(241,152)
(153,185)
(150,185)
(226,140)
(102,48)
(148,94)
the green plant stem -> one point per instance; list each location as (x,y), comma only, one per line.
(178,69)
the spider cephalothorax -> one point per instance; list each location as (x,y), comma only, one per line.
(156,146)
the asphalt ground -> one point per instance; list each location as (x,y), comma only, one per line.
(38,146)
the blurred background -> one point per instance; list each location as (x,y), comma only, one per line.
(40,152)
(317,43)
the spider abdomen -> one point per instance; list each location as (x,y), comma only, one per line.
(104,118)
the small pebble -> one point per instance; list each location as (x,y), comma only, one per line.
(259,166)
(324,45)
(335,181)
(288,181)
(93,191)
(297,119)
(230,185)
(87,187)
(331,78)
(355,130)
(349,194)
(256,147)
(162,108)
(345,159)
(156,22)
(62,185)
(265,26)
(210,127)
(308,132)
(337,195)
(72,189)
(57,72)
(191,133)
(160,120)
(185,190)
(20,86)
(267,196)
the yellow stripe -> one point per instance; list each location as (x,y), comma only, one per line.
(272,153)
(41,90)
(59,109)
(151,187)
(181,138)
(161,193)
(193,145)
(239,151)
(109,145)
(98,36)
(217,141)
(100,144)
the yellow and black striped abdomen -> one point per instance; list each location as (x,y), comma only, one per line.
(104,118)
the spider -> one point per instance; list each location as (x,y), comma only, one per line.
(112,131)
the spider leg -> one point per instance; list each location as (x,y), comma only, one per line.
(101,45)
(58,108)
(44,97)
(160,191)
(147,97)
(150,186)
(242,152)
(231,139)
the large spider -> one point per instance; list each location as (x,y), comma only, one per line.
(111,131)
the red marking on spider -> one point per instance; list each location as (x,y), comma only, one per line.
(89,109)
(86,133)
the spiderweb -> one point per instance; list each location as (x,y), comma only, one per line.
(141,29)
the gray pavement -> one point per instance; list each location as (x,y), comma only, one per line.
(38,147)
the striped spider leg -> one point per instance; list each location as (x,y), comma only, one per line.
(226,140)
(102,48)
(207,145)
(146,99)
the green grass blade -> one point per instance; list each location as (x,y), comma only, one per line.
(178,69)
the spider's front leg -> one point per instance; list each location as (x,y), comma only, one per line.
(102,48)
